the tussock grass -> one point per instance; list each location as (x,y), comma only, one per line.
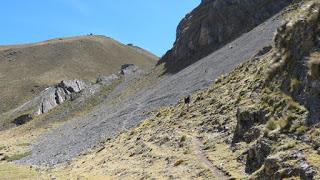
(16,157)
(314,66)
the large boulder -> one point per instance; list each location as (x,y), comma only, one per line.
(257,154)
(130,69)
(247,119)
(50,98)
(107,79)
(72,86)
(53,96)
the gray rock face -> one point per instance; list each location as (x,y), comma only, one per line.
(296,41)
(257,154)
(51,98)
(72,85)
(278,166)
(129,69)
(106,79)
(214,23)
(247,117)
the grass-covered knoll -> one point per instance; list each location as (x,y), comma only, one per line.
(25,70)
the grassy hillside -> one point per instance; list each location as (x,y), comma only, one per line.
(28,69)
(257,121)
(248,124)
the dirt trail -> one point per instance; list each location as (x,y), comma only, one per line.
(218,174)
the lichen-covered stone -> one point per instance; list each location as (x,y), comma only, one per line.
(247,117)
(286,164)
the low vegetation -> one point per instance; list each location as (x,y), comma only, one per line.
(15,157)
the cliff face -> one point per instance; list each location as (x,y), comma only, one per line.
(213,24)
(296,61)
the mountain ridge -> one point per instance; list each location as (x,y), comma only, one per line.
(28,69)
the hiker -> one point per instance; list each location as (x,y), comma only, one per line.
(187,102)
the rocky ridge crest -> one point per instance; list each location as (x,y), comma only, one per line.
(213,24)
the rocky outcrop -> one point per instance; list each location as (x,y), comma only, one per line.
(22,119)
(53,96)
(247,118)
(106,79)
(129,69)
(291,163)
(257,154)
(56,95)
(48,99)
(214,23)
(297,58)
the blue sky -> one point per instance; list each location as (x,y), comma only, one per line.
(150,24)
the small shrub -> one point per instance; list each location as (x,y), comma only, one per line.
(177,163)
(24,144)
(272,125)
(314,67)
(287,146)
(16,157)
(301,130)
(315,134)
(294,127)
(294,84)
(283,123)
(209,146)
(183,138)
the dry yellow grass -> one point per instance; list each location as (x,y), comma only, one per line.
(10,171)
(27,69)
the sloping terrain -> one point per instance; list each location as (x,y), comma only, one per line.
(25,70)
(259,121)
(109,119)
(248,124)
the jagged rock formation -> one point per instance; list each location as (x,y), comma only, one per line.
(129,69)
(53,96)
(106,79)
(293,72)
(297,58)
(56,95)
(213,24)
(48,99)
(247,119)
(281,161)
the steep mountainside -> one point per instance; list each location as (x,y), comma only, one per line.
(122,110)
(213,24)
(25,70)
(258,122)
(253,114)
